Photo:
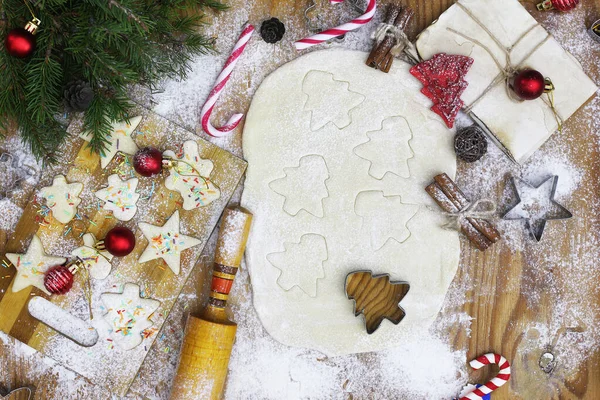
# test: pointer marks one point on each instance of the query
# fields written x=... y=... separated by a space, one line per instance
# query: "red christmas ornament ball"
x=119 y=241
x=148 y=161
x=565 y=5
x=19 y=43
x=529 y=84
x=58 y=280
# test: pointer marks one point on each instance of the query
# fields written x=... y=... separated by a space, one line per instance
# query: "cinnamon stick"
x=381 y=57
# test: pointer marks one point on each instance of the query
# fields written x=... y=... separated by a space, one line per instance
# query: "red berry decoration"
x=148 y=161
x=529 y=84
x=58 y=279
x=443 y=82
x=20 y=42
x=119 y=241
x=560 y=5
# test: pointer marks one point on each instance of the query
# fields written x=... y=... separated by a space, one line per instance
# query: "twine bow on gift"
x=456 y=219
x=388 y=30
x=508 y=70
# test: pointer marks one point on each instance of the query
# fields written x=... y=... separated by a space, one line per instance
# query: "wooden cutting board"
x=105 y=363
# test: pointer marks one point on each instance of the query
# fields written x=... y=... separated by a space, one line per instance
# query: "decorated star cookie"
x=97 y=262
x=128 y=315
x=62 y=198
x=166 y=242
x=120 y=197
x=120 y=140
x=32 y=266
x=190 y=177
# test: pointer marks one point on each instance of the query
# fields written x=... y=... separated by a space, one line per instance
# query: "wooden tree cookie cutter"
x=373 y=300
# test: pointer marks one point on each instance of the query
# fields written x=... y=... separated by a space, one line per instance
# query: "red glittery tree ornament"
x=148 y=161
x=443 y=82
x=560 y=5
x=20 y=42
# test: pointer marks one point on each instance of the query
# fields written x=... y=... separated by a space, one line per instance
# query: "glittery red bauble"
x=565 y=5
x=19 y=43
x=148 y=161
x=119 y=241
x=529 y=84
x=58 y=280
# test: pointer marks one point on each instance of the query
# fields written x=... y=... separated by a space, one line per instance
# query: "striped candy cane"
x=220 y=85
x=340 y=30
x=500 y=379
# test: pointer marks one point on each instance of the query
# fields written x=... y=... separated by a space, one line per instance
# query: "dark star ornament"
x=536 y=205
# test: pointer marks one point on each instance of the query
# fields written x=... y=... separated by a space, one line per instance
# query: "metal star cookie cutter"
x=537 y=230
x=321 y=26
x=594 y=31
x=8 y=162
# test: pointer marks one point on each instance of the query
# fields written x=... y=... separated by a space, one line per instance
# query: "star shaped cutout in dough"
x=190 y=177
x=32 y=266
x=166 y=242
x=98 y=262
x=120 y=140
x=120 y=197
x=128 y=315
x=537 y=205
x=62 y=198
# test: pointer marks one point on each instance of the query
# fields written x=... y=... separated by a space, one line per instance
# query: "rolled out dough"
x=361 y=210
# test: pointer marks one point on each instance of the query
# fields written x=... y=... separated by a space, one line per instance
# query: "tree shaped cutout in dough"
x=304 y=187
x=62 y=198
x=190 y=177
x=128 y=315
x=384 y=217
x=376 y=298
x=301 y=264
x=329 y=100
x=388 y=149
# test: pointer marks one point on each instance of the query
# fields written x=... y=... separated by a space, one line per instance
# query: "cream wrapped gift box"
x=501 y=36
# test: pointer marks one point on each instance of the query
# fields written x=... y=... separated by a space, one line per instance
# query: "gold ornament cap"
x=33 y=25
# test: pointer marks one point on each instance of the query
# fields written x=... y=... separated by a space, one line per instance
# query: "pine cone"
x=78 y=95
x=272 y=30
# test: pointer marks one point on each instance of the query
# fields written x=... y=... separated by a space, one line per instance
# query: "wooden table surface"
x=500 y=301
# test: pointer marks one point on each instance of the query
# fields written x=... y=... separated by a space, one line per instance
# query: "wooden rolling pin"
x=209 y=338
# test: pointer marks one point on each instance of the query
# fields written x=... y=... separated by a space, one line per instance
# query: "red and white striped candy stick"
x=340 y=30
x=220 y=85
x=501 y=378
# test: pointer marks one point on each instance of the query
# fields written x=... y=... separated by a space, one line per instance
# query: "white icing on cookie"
x=190 y=177
x=32 y=266
x=119 y=140
x=166 y=242
x=128 y=315
x=120 y=197
x=62 y=198
x=97 y=262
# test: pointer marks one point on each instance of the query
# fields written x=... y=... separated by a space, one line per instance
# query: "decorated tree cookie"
x=97 y=261
x=120 y=197
x=166 y=242
x=443 y=83
x=62 y=198
x=32 y=266
x=189 y=175
x=128 y=315
x=119 y=140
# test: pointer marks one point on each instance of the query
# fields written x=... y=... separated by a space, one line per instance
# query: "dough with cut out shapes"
x=128 y=315
x=388 y=150
x=32 y=266
x=62 y=198
x=301 y=264
x=329 y=100
x=98 y=262
x=120 y=197
x=362 y=105
x=166 y=242
x=190 y=176
x=304 y=187
x=384 y=218
x=120 y=140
